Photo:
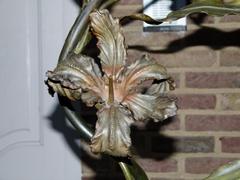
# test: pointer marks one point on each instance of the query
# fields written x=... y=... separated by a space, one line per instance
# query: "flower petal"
x=161 y=88
x=110 y=41
x=90 y=98
x=146 y=106
x=141 y=70
x=164 y=108
x=75 y=74
x=56 y=87
x=141 y=105
x=112 y=135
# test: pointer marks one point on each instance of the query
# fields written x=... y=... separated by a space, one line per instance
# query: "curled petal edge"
x=146 y=107
x=144 y=69
x=112 y=135
x=110 y=41
x=76 y=74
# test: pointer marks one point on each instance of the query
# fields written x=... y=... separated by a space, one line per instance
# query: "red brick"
x=230 y=144
x=230 y=101
x=196 y=101
x=212 y=123
x=172 y=123
x=213 y=80
x=230 y=18
x=151 y=165
x=139 y=38
x=121 y=11
x=163 y=144
x=230 y=57
x=184 y=58
x=204 y=165
x=176 y=41
x=188 y=58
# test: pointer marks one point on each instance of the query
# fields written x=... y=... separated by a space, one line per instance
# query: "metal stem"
x=79 y=123
x=78 y=29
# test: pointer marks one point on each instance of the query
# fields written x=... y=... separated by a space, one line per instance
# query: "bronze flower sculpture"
x=117 y=90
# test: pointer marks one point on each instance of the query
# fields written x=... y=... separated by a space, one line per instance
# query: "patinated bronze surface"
x=116 y=89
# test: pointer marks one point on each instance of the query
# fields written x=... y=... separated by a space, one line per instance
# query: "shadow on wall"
x=97 y=165
x=206 y=36
x=79 y=3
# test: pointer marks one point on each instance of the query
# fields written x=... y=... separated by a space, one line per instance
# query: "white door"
x=33 y=143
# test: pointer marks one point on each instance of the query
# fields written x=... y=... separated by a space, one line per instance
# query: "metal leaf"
x=230 y=171
x=141 y=17
x=211 y=7
x=132 y=171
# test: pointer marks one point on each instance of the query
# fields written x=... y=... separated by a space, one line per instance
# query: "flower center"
x=110 y=91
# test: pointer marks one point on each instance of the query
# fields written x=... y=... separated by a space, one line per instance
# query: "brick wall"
x=206 y=132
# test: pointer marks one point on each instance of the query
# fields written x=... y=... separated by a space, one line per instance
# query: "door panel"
x=19 y=75
x=31 y=36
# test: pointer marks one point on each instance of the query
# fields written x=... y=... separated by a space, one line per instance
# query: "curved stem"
x=108 y=3
x=78 y=29
x=78 y=123
x=126 y=171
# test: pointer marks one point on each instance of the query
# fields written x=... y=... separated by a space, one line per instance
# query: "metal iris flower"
x=117 y=89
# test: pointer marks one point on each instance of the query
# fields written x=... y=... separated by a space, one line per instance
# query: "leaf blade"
x=210 y=7
x=230 y=171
